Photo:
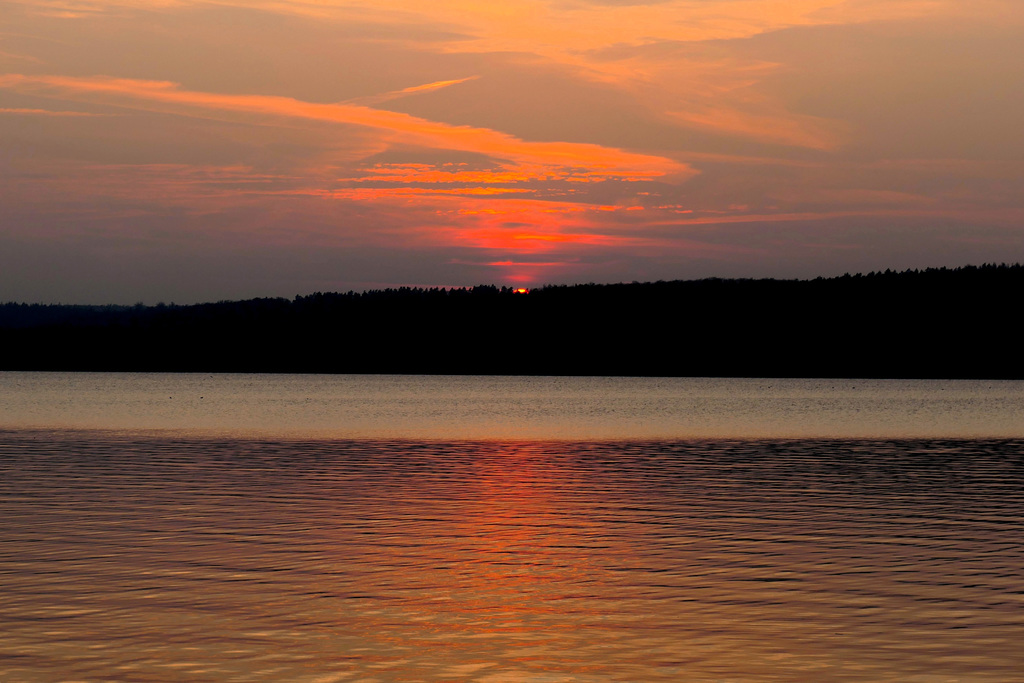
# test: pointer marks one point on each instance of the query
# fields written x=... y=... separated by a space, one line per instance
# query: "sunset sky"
x=170 y=150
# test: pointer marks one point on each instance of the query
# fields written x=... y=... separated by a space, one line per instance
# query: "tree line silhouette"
x=939 y=322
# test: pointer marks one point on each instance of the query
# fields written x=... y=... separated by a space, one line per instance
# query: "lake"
x=362 y=528
x=578 y=408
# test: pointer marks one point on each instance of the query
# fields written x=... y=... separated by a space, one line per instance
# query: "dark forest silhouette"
x=937 y=323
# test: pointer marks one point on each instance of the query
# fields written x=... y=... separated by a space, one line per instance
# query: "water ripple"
x=153 y=559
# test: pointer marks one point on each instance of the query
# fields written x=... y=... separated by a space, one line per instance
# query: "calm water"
x=151 y=541
x=445 y=408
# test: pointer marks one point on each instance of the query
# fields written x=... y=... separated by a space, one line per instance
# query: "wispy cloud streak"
x=47 y=112
x=414 y=90
x=396 y=127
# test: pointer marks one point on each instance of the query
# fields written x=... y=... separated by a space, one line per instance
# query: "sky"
x=181 y=151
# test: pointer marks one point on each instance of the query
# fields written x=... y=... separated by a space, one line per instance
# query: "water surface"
x=440 y=407
x=128 y=558
x=311 y=528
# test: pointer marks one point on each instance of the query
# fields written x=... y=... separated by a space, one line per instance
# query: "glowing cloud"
x=395 y=127
x=532 y=141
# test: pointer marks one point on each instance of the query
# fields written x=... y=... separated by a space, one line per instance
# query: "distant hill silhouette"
x=939 y=322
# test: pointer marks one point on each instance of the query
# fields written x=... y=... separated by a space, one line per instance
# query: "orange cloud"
x=567 y=30
x=19 y=57
x=398 y=180
x=47 y=112
x=416 y=89
x=394 y=127
x=765 y=126
x=407 y=193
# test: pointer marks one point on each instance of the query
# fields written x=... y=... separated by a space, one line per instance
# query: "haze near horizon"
x=171 y=150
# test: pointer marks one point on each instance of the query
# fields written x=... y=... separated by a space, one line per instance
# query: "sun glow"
x=525 y=141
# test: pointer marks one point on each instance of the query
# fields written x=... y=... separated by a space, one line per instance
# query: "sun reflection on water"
x=158 y=559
